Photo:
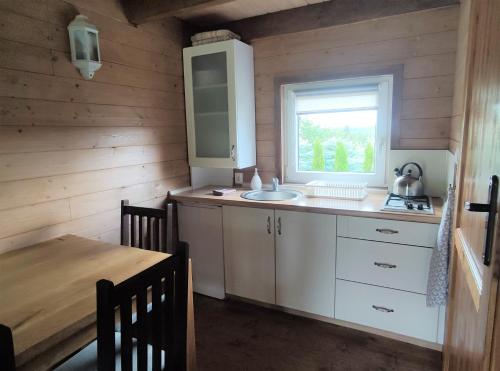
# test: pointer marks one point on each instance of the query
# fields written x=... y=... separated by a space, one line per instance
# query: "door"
x=305 y=261
x=474 y=280
x=210 y=105
x=201 y=227
x=249 y=253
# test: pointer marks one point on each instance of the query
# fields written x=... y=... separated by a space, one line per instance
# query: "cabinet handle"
x=386 y=231
x=382 y=309
x=385 y=265
x=279 y=226
x=233 y=153
x=269 y=225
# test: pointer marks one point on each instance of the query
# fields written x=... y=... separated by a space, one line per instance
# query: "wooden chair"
x=157 y=338
x=7 y=360
x=147 y=228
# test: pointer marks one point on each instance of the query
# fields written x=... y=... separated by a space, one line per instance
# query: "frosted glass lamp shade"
x=84 y=42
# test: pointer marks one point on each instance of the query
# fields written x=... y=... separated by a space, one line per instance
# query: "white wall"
x=437 y=166
x=201 y=177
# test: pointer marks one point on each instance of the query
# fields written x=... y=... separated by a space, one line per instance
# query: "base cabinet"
x=249 y=253
x=305 y=261
x=348 y=268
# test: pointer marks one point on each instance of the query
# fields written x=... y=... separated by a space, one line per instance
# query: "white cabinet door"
x=249 y=253
x=305 y=261
x=201 y=227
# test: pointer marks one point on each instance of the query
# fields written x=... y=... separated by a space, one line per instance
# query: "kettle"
x=406 y=184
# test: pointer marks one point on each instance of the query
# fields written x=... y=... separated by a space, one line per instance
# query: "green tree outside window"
x=368 y=161
x=318 y=161
x=341 y=163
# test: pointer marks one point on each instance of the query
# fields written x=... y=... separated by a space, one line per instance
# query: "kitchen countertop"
x=369 y=207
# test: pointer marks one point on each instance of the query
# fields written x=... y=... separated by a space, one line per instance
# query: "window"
x=337 y=130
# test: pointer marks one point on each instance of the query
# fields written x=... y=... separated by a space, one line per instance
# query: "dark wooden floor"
x=237 y=336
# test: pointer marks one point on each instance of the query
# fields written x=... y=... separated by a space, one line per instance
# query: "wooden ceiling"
x=260 y=18
x=205 y=13
x=238 y=9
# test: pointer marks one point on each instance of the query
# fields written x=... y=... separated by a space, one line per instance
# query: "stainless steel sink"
x=268 y=195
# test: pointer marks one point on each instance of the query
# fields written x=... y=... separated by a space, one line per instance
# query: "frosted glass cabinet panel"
x=220 y=108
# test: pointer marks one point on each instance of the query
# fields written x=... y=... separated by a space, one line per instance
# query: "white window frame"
x=384 y=117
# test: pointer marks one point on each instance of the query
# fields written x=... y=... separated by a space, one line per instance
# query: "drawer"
x=400 y=267
x=386 y=309
x=384 y=230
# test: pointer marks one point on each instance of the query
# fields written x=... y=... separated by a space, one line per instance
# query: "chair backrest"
x=148 y=228
x=164 y=327
x=7 y=360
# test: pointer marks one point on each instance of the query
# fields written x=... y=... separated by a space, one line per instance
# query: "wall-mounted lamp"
x=84 y=42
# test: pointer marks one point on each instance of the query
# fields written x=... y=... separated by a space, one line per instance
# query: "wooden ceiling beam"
x=141 y=11
x=325 y=14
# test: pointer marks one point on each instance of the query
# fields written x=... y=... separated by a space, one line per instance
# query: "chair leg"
x=181 y=305
x=7 y=358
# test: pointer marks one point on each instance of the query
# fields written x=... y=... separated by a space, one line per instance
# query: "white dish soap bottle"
x=256 y=183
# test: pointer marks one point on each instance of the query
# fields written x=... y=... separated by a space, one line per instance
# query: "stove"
x=408 y=204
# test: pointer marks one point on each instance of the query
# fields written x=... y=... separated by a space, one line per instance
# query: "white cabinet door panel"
x=305 y=261
x=386 y=309
x=395 y=266
x=249 y=253
x=201 y=227
x=384 y=230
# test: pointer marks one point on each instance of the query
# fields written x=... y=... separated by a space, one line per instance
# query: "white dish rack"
x=341 y=190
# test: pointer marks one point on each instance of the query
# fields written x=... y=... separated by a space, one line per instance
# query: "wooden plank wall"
x=423 y=42
x=70 y=149
x=457 y=119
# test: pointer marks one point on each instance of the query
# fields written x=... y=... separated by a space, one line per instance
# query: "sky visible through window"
x=338 y=142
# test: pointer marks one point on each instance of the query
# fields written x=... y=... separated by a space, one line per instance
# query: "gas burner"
x=409 y=204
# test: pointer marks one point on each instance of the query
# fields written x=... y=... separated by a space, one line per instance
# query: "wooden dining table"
x=48 y=295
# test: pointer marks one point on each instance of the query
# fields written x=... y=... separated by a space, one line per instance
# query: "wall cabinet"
x=249 y=253
x=305 y=261
x=220 y=104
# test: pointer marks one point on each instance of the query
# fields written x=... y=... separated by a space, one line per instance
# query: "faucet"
x=275 y=184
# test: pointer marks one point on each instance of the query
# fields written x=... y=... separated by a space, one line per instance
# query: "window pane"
x=338 y=142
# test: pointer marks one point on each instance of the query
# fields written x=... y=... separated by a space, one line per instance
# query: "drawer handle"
x=385 y=265
x=386 y=231
x=382 y=309
x=279 y=226
x=269 y=225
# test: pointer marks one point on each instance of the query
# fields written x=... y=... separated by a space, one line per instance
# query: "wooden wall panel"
x=424 y=43
x=70 y=149
x=460 y=77
x=35 y=112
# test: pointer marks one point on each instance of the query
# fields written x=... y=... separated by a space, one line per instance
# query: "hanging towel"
x=437 y=284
